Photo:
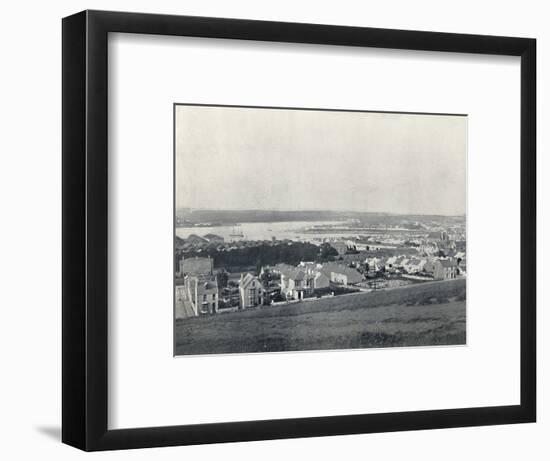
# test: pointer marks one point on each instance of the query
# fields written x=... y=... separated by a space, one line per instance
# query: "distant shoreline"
x=218 y=218
x=305 y=211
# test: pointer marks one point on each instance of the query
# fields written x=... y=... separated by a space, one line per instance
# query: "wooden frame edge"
x=84 y=317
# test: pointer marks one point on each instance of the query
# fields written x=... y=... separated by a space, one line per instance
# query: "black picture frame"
x=85 y=223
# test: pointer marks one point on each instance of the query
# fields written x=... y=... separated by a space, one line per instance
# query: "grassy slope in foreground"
x=417 y=315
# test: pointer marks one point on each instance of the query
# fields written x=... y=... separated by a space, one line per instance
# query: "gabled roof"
x=308 y=266
x=294 y=274
x=195 y=238
x=247 y=280
x=203 y=284
x=352 y=274
x=282 y=267
x=328 y=268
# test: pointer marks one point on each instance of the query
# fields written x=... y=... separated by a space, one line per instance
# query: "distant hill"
x=189 y=217
x=219 y=217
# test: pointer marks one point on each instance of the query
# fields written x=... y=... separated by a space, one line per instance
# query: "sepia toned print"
x=308 y=229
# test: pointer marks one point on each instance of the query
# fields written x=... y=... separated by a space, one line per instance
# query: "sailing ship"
x=236 y=234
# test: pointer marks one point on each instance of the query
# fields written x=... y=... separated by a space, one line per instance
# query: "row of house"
x=439 y=268
x=429 y=244
x=194 y=239
x=302 y=281
x=197 y=292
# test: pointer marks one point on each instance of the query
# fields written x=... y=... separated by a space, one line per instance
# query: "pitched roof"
x=247 y=279
x=196 y=266
x=204 y=283
x=294 y=274
x=328 y=268
x=282 y=267
x=308 y=266
x=352 y=274
x=195 y=238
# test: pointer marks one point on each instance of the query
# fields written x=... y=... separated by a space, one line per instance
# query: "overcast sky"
x=239 y=158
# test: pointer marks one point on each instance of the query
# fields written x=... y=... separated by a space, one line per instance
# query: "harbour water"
x=292 y=230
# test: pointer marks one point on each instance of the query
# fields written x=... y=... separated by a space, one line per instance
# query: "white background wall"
x=30 y=194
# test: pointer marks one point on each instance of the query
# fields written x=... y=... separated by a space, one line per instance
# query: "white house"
x=251 y=291
x=297 y=283
x=201 y=294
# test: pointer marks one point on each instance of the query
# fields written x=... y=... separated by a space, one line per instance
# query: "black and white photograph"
x=275 y=230
x=299 y=229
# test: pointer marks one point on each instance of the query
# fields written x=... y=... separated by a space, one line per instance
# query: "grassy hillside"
x=416 y=315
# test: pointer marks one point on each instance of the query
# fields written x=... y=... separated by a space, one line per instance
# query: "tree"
x=265 y=278
x=258 y=265
x=222 y=278
x=222 y=304
x=327 y=252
